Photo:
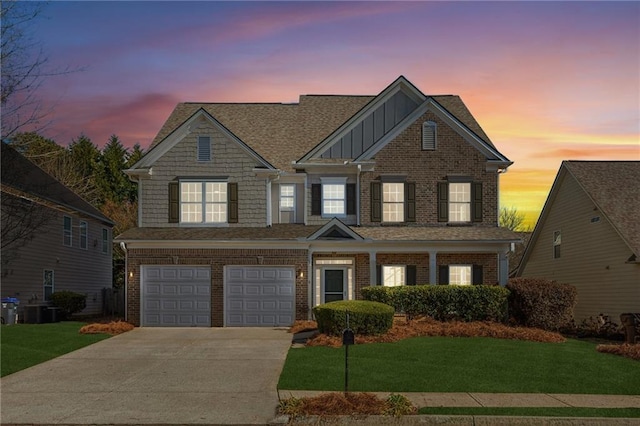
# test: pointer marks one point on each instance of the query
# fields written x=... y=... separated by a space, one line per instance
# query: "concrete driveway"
x=154 y=376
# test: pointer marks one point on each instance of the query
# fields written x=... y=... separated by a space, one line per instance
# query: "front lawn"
x=25 y=345
x=532 y=411
x=463 y=364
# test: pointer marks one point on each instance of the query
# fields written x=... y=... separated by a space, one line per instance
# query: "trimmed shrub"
x=464 y=303
x=69 y=302
x=541 y=303
x=365 y=317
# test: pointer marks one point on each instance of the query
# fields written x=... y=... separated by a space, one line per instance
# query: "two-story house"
x=252 y=214
x=52 y=240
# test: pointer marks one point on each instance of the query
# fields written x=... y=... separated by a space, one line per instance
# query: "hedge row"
x=541 y=303
x=365 y=317
x=465 y=303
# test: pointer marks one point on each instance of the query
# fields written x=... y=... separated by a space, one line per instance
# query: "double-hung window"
x=84 y=234
x=460 y=274
x=557 y=241
x=393 y=276
x=460 y=202
x=47 y=284
x=287 y=203
x=334 y=197
x=393 y=202
x=203 y=202
x=105 y=241
x=67 y=233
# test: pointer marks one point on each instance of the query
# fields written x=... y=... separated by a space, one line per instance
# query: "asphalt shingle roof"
x=282 y=133
x=614 y=186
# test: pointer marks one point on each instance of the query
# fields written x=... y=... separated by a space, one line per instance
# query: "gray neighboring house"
x=252 y=214
x=52 y=239
x=588 y=235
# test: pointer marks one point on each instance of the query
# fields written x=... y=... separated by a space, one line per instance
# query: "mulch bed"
x=113 y=328
x=403 y=329
x=351 y=404
x=626 y=350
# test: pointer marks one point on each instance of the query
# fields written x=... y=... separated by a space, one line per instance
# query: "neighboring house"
x=588 y=235
x=52 y=240
x=515 y=256
x=252 y=214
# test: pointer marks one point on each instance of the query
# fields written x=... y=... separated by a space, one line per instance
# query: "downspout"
x=358 y=195
x=123 y=246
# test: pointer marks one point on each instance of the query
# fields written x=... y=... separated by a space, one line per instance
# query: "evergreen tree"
x=111 y=181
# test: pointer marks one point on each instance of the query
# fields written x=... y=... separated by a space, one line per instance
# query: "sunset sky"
x=547 y=81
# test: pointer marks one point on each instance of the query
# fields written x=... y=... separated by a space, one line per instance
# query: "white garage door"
x=259 y=296
x=175 y=296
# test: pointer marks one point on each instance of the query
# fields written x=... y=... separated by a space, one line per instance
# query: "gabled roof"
x=282 y=133
x=612 y=186
x=335 y=229
x=23 y=176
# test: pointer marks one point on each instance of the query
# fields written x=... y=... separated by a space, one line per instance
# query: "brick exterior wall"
x=421 y=260
x=217 y=258
x=453 y=156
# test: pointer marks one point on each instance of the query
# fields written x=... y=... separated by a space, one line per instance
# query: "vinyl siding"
x=75 y=269
x=228 y=159
x=592 y=256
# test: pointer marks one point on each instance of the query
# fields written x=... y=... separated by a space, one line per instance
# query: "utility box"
x=10 y=310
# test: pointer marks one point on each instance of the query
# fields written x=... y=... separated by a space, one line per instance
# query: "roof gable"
x=612 y=186
x=335 y=230
x=162 y=147
x=22 y=175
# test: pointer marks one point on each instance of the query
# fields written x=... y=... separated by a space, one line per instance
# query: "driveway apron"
x=154 y=376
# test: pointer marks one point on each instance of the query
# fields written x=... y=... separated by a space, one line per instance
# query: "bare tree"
x=512 y=219
x=24 y=67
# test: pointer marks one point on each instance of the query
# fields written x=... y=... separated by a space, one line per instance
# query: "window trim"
x=434 y=126
x=45 y=285
x=203 y=202
x=470 y=269
x=199 y=141
x=402 y=203
x=557 y=244
x=83 y=239
x=67 y=232
x=338 y=182
x=404 y=275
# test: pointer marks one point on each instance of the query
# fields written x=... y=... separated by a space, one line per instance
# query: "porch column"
x=503 y=268
x=433 y=267
x=372 y=268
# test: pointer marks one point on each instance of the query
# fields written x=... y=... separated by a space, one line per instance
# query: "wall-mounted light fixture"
x=301 y=274
x=130 y=274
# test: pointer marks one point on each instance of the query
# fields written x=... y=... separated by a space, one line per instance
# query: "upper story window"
x=460 y=274
x=557 y=240
x=393 y=202
x=67 y=233
x=393 y=276
x=204 y=148
x=105 y=241
x=460 y=202
x=334 y=197
x=287 y=197
x=203 y=202
x=84 y=234
x=429 y=134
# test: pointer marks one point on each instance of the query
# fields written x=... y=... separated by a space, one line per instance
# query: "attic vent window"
x=429 y=136
x=204 y=148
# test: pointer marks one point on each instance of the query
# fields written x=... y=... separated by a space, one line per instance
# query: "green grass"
x=533 y=411
x=450 y=364
x=25 y=345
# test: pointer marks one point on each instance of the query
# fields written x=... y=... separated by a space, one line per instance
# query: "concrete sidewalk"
x=472 y=399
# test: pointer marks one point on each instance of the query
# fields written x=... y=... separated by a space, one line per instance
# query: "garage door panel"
x=259 y=296
x=175 y=296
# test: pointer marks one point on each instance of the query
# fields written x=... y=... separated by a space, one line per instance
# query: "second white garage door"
x=257 y=296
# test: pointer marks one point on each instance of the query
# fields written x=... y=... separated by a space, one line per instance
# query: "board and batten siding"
x=228 y=159
x=592 y=256
x=85 y=271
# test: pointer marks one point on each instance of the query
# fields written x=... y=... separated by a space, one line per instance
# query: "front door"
x=334 y=284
